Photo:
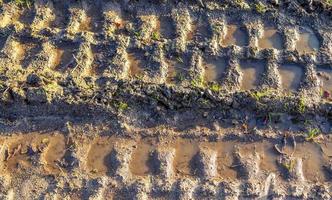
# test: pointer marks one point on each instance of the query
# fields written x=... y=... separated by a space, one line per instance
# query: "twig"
x=5 y=90
x=284 y=142
x=78 y=64
x=63 y=172
x=278 y=150
x=181 y=68
x=294 y=145
x=234 y=166
x=321 y=149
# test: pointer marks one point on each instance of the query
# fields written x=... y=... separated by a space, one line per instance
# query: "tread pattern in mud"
x=178 y=45
x=185 y=168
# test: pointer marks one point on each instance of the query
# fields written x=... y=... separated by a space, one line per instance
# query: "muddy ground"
x=166 y=99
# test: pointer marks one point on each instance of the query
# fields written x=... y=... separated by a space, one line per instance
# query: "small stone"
x=34 y=148
x=33 y=80
x=36 y=96
x=326 y=94
x=234 y=122
x=275 y=2
x=235 y=104
x=216 y=126
x=205 y=114
x=24 y=150
x=45 y=140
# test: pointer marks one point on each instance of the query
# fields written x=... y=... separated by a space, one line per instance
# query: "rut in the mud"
x=146 y=41
x=233 y=160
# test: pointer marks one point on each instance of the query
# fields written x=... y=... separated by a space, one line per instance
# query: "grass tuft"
x=180 y=77
x=301 y=107
x=179 y=59
x=258 y=95
x=24 y=3
x=215 y=87
x=198 y=82
x=155 y=36
x=242 y=4
x=312 y=134
x=289 y=165
x=260 y=7
x=121 y=106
